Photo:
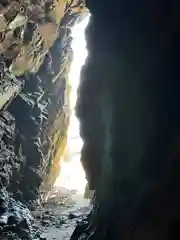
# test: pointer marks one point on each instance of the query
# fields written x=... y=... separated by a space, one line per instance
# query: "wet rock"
x=75 y=215
x=9 y=228
x=13 y=219
x=62 y=221
x=16 y=222
x=36 y=228
x=24 y=224
x=37 y=214
x=3 y=220
x=45 y=217
x=58 y=225
x=46 y=223
x=42 y=238
x=47 y=212
x=66 y=225
x=2 y=208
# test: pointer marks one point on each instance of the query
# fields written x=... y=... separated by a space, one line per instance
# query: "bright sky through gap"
x=71 y=174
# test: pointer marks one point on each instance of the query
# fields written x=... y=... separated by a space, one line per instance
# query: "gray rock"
x=75 y=215
x=57 y=225
x=13 y=219
x=46 y=222
x=3 y=220
x=42 y=238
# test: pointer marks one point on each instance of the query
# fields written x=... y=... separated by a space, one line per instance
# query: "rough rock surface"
x=54 y=219
x=35 y=57
x=16 y=221
x=130 y=126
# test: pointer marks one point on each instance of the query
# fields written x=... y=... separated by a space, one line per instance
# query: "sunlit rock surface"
x=36 y=54
x=35 y=59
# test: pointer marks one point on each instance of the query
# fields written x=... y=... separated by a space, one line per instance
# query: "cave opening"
x=71 y=174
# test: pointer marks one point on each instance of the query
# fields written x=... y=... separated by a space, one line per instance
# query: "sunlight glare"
x=71 y=174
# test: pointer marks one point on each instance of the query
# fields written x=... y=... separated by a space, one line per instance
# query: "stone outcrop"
x=16 y=221
x=128 y=108
x=35 y=56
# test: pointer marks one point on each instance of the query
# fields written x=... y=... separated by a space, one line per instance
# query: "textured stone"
x=34 y=67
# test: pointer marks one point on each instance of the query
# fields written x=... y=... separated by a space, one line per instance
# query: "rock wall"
x=35 y=55
x=128 y=109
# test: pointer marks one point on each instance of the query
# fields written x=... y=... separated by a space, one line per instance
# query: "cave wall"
x=128 y=108
x=36 y=55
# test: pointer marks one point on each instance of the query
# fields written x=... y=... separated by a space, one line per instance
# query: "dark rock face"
x=16 y=221
x=128 y=108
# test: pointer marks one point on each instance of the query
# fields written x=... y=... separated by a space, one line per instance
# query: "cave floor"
x=57 y=217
